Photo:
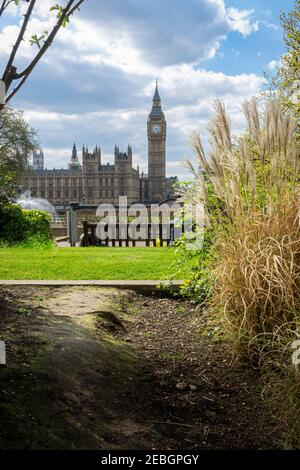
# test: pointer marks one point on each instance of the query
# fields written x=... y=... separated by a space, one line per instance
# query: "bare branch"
x=2 y=8
x=17 y=87
x=4 y=5
x=75 y=7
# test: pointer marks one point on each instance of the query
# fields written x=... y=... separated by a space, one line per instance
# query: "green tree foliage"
x=289 y=70
x=17 y=142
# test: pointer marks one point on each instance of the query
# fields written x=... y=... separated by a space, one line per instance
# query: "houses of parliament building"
x=92 y=182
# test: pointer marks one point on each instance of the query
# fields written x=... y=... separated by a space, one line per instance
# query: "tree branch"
x=17 y=87
x=2 y=8
x=67 y=11
x=75 y=7
x=18 y=42
x=10 y=73
x=4 y=5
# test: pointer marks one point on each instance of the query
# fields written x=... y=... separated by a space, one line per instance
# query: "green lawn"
x=85 y=263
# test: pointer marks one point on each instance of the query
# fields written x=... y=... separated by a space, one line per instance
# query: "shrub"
x=37 y=241
x=18 y=225
x=12 y=223
x=37 y=223
x=195 y=267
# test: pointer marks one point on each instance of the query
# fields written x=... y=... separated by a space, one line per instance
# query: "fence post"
x=106 y=239
x=85 y=240
x=148 y=234
x=160 y=234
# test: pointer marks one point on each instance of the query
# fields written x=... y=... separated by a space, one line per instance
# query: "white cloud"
x=270 y=25
x=273 y=65
x=242 y=21
x=56 y=157
x=268 y=20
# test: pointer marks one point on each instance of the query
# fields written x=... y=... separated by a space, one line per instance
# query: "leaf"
x=60 y=12
x=38 y=40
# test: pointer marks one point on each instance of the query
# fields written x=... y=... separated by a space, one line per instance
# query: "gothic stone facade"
x=92 y=182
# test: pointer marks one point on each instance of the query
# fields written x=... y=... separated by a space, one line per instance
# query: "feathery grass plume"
x=261 y=166
x=197 y=147
x=220 y=127
x=253 y=120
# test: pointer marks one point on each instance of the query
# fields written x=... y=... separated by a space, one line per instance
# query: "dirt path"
x=92 y=368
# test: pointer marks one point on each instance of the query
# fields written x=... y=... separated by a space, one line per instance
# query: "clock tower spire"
x=157 y=132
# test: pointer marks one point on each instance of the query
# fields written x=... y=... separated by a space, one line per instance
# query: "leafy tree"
x=288 y=78
x=11 y=75
x=17 y=142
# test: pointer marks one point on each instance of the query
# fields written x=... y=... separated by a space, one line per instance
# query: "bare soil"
x=95 y=368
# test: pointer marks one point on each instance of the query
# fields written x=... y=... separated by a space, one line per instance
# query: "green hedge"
x=18 y=225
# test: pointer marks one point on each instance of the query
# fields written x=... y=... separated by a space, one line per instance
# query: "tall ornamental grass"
x=250 y=189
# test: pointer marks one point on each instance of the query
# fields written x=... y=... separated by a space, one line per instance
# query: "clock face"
x=156 y=129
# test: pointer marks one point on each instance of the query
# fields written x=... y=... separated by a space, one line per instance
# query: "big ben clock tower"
x=157 y=132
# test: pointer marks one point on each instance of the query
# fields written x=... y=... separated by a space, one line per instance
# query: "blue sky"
x=95 y=86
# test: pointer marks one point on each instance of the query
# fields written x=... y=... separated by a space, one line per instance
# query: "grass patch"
x=85 y=263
